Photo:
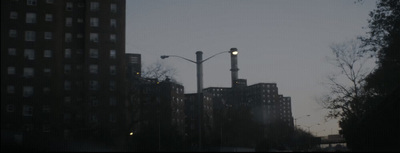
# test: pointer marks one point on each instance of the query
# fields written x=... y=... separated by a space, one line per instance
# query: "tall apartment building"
x=62 y=69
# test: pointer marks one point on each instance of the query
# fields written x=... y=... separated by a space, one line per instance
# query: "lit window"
x=113 y=70
x=113 y=8
x=29 y=54
x=94 y=6
x=10 y=108
x=94 y=37
x=113 y=54
x=94 y=53
x=30 y=17
x=113 y=23
x=68 y=53
x=67 y=69
x=27 y=91
x=10 y=89
x=113 y=37
x=69 y=6
x=12 y=51
x=30 y=35
x=47 y=53
x=29 y=72
x=48 y=17
x=48 y=35
x=13 y=15
x=94 y=22
x=12 y=33
x=68 y=22
x=67 y=85
x=68 y=37
x=31 y=2
x=93 y=68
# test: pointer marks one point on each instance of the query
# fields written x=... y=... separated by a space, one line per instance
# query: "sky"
x=279 y=41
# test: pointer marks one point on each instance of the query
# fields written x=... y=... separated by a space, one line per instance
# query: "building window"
x=94 y=37
x=67 y=100
x=81 y=4
x=31 y=2
x=93 y=118
x=112 y=85
x=94 y=53
x=13 y=15
x=113 y=23
x=69 y=6
x=79 y=35
x=79 y=20
x=30 y=17
x=67 y=69
x=29 y=72
x=47 y=72
x=134 y=60
x=68 y=37
x=27 y=91
x=11 y=70
x=93 y=85
x=113 y=70
x=30 y=35
x=10 y=89
x=113 y=8
x=48 y=17
x=68 y=22
x=67 y=85
x=113 y=54
x=46 y=90
x=112 y=118
x=10 y=108
x=50 y=1
x=29 y=54
x=47 y=53
x=12 y=33
x=12 y=51
x=27 y=110
x=94 y=6
x=46 y=128
x=113 y=101
x=93 y=68
x=113 y=37
x=68 y=53
x=46 y=109
x=48 y=35
x=94 y=22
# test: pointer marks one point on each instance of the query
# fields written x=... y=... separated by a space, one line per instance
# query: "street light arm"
x=165 y=56
x=213 y=56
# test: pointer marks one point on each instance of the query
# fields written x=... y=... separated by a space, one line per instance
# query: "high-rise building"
x=62 y=69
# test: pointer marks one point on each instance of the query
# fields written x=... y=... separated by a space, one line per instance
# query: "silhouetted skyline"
x=283 y=42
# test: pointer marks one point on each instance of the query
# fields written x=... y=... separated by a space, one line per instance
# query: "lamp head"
x=164 y=56
x=234 y=51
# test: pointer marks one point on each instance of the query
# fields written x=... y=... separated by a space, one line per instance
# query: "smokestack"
x=234 y=65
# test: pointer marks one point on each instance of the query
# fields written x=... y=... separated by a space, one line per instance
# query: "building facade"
x=62 y=66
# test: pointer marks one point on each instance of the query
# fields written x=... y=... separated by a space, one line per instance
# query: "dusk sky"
x=279 y=41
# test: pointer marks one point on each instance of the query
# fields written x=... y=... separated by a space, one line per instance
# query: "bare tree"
x=159 y=71
x=347 y=95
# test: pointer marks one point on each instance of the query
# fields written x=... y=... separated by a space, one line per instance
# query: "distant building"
x=62 y=70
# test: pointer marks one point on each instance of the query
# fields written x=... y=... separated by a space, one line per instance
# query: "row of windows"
x=30 y=53
x=29 y=72
x=27 y=110
x=94 y=6
x=31 y=36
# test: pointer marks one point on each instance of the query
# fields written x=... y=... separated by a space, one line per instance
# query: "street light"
x=199 y=63
x=310 y=127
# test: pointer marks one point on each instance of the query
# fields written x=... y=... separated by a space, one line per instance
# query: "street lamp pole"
x=199 y=65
